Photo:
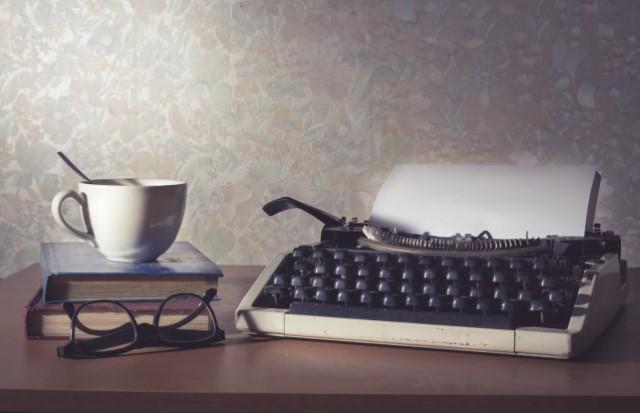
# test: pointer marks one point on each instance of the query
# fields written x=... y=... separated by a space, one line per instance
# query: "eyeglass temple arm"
x=124 y=336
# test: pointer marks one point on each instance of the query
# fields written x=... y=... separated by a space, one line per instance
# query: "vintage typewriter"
x=388 y=281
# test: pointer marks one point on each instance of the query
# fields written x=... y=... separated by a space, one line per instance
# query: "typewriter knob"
x=301 y=294
x=414 y=301
x=298 y=253
x=363 y=272
x=429 y=289
x=344 y=297
x=382 y=258
x=516 y=264
x=318 y=282
x=385 y=273
x=477 y=292
x=453 y=290
x=297 y=281
x=501 y=293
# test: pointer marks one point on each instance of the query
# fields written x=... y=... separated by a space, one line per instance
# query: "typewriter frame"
x=591 y=315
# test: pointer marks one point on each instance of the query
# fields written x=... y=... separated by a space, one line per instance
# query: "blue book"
x=75 y=271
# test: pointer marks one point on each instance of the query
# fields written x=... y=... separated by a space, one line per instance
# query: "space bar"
x=501 y=321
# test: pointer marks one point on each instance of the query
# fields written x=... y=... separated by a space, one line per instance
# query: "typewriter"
x=388 y=280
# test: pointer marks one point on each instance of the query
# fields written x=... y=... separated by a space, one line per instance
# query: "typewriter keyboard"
x=491 y=292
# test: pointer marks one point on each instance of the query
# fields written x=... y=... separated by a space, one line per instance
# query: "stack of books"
x=77 y=272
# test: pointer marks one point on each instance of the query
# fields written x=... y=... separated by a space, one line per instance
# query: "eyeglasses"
x=104 y=328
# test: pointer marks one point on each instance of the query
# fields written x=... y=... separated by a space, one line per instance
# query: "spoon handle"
x=72 y=166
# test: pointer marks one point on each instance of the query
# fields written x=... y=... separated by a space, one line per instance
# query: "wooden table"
x=247 y=374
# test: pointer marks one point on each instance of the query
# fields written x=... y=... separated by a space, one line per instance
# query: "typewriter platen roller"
x=534 y=296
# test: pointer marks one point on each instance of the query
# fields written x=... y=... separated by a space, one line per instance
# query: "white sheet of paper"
x=508 y=201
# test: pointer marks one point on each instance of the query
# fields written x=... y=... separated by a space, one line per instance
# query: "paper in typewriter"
x=508 y=201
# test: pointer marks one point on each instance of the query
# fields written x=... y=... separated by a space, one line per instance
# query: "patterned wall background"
x=317 y=99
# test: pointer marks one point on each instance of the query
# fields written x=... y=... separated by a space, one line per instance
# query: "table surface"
x=302 y=375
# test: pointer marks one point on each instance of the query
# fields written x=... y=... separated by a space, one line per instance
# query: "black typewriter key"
x=298 y=253
x=501 y=293
x=540 y=263
x=360 y=258
x=448 y=261
x=319 y=282
x=342 y=284
x=557 y=297
x=281 y=279
x=461 y=303
x=470 y=262
x=453 y=290
x=476 y=276
x=324 y=296
x=414 y=301
x=275 y=291
x=300 y=266
x=494 y=263
x=484 y=304
x=320 y=269
x=407 y=287
x=345 y=297
x=430 y=274
x=452 y=275
x=318 y=254
x=516 y=264
x=499 y=277
x=408 y=274
x=302 y=293
x=403 y=259
x=439 y=302
x=477 y=292
x=339 y=255
x=431 y=289
x=540 y=305
x=362 y=284
x=385 y=273
x=551 y=282
x=526 y=295
x=342 y=270
x=369 y=298
x=391 y=300
x=363 y=272
x=425 y=261
x=382 y=258
x=524 y=278
x=298 y=281
x=385 y=286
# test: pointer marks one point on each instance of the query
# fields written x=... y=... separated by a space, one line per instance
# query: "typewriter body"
x=387 y=281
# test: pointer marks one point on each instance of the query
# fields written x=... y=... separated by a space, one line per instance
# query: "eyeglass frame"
x=144 y=334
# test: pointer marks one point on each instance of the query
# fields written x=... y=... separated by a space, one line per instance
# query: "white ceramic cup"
x=127 y=219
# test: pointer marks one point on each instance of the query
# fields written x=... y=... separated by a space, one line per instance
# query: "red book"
x=49 y=321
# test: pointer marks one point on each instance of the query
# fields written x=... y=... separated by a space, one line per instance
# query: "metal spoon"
x=73 y=167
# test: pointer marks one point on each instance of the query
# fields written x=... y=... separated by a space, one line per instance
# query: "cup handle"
x=56 y=210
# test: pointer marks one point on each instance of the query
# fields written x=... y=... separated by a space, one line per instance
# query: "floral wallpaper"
x=316 y=99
